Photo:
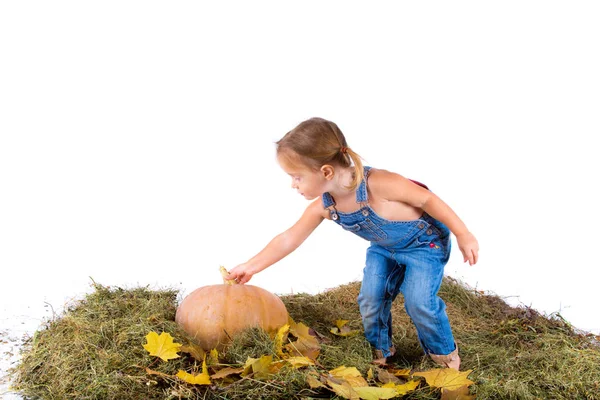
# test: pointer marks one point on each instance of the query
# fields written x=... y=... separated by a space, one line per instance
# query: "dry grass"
x=94 y=350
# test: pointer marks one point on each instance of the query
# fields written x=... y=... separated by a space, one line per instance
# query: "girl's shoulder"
x=379 y=176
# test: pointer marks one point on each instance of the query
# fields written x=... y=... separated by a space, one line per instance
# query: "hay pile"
x=95 y=350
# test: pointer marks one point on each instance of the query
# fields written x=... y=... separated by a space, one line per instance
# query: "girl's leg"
x=380 y=283
x=427 y=310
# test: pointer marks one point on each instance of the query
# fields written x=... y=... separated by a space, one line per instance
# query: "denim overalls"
x=404 y=256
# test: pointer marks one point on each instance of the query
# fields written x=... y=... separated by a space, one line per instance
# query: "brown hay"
x=94 y=350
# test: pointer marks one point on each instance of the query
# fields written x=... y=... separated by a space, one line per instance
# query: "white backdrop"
x=136 y=140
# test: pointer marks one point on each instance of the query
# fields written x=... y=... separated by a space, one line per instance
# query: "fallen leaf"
x=404 y=373
x=403 y=388
x=462 y=393
x=341 y=329
x=343 y=371
x=375 y=393
x=225 y=372
x=343 y=389
x=446 y=378
x=152 y=372
x=213 y=357
x=200 y=379
x=258 y=367
x=299 y=362
x=305 y=348
x=350 y=375
x=162 y=346
x=194 y=350
x=314 y=382
x=386 y=377
x=279 y=338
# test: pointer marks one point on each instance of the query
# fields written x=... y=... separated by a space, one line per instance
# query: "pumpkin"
x=213 y=315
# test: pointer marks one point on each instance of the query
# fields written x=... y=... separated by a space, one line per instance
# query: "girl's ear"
x=327 y=171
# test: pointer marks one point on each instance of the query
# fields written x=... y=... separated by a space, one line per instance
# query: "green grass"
x=94 y=349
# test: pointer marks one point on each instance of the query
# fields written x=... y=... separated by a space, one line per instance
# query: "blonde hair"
x=317 y=142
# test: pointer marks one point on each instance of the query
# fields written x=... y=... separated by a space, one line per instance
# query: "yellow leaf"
x=446 y=378
x=314 y=382
x=161 y=346
x=343 y=389
x=226 y=372
x=201 y=379
x=370 y=374
x=403 y=388
x=350 y=375
x=343 y=371
x=340 y=323
x=302 y=331
x=305 y=348
x=405 y=373
x=259 y=367
x=279 y=338
x=299 y=362
x=375 y=393
x=341 y=329
x=213 y=357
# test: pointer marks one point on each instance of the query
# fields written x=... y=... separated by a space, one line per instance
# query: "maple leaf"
x=260 y=368
x=343 y=389
x=350 y=375
x=446 y=378
x=279 y=338
x=375 y=393
x=307 y=345
x=162 y=346
x=200 y=379
x=403 y=388
x=341 y=329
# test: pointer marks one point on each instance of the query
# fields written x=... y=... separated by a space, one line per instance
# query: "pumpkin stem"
x=224 y=274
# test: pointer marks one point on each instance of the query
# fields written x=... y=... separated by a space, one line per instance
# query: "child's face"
x=308 y=182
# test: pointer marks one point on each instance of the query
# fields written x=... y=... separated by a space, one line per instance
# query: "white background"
x=137 y=140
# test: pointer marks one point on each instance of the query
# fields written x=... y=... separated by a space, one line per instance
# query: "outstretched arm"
x=282 y=244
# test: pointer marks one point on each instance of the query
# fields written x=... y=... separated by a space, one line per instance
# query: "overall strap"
x=361 y=192
x=327 y=200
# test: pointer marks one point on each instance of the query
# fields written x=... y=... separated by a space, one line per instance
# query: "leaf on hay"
x=162 y=345
x=446 y=378
x=200 y=379
x=341 y=329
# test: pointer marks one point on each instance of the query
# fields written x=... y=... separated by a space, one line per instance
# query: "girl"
x=408 y=227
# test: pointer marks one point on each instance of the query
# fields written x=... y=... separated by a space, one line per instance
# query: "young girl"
x=408 y=227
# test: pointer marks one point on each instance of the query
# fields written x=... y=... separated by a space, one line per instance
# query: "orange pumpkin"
x=214 y=314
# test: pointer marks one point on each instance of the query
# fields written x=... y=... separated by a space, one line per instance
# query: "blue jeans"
x=405 y=257
x=388 y=273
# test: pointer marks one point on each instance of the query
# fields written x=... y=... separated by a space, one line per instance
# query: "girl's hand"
x=241 y=274
x=469 y=247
